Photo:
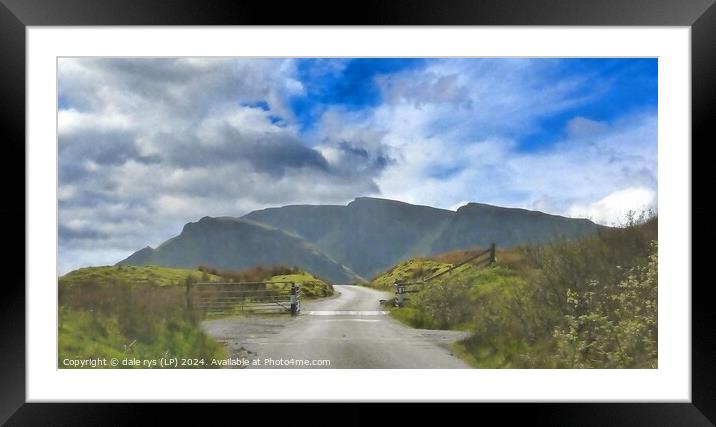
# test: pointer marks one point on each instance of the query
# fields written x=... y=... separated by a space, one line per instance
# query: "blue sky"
x=621 y=86
x=348 y=83
x=147 y=145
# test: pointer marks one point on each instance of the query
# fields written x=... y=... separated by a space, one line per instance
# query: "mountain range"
x=345 y=244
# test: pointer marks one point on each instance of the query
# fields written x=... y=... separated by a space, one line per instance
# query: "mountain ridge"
x=359 y=239
x=236 y=243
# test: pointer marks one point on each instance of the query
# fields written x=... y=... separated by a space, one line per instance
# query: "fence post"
x=187 y=301
x=294 y=299
x=400 y=294
x=493 y=257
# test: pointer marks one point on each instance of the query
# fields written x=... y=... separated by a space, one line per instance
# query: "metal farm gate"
x=217 y=298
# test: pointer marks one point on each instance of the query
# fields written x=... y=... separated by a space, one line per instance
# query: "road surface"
x=349 y=330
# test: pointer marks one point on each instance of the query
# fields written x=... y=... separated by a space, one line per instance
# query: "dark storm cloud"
x=146 y=145
x=355 y=151
x=103 y=148
x=363 y=160
x=67 y=234
x=271 y=153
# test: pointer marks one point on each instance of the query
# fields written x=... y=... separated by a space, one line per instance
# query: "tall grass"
x=122 y=319
x=143 y=312
x=580 y=303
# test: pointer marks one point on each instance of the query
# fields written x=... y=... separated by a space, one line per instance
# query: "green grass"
x=102 y=310
x=87 y=334
x=413 y=317
x=136 y=275
x=411 y=270
x=580 y=303
x=311 y=287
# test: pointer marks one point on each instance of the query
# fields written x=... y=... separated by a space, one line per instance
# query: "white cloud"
x=581 y=127
x=445 y=153
x=72 y=121
x=148 y=145
x=613 y=209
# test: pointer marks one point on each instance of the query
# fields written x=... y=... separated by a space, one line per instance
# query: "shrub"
x=121 y=318
x=254 y=274
x=589 y=302
x=612 y=327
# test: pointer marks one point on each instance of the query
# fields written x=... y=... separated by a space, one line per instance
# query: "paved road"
x=350 y=330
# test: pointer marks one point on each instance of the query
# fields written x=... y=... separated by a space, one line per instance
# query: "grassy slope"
x=571 y=303
x=86 y=334
x=311 y=287
x=417 y=269
x=485 y=283
x=464 y=289
x=104 y=309
x=144 y=275
x=411 y=270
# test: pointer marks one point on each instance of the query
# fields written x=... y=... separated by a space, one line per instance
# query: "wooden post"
x=187 y=300
x=493 y=255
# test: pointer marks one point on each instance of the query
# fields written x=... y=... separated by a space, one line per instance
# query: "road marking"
x=346 y=313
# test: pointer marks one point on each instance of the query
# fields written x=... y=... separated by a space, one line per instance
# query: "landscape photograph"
x=357 y=213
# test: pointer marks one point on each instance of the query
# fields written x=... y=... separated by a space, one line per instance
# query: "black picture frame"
x=16 y=15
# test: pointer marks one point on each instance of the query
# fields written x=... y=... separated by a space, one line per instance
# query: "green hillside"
x=585 y=303
x=138 y=312
x=127 y=311
x=87 y=334
x=311 y=287
x=370 y=235
x=134 y=275
x=346 y=244
x=409 y=271
x=236 y=244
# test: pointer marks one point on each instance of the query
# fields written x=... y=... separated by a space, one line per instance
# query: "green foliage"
x=370 y=235
x=414 y=317
x=612 y=327
x=254 y=274
x=128 y=311
x=235 y=243
x=134 y=275
x=604 y=257
x=580 y=303
x=311 y=287
x=146 y=323
x=408 y=271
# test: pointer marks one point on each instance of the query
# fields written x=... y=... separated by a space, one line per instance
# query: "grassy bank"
x=130 y=312
x=588 y=303
x=139 y=312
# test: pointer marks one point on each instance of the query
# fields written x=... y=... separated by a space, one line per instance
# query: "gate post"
x=400 y=294
x=187 y=300
x=493 y=257
x=294 y=299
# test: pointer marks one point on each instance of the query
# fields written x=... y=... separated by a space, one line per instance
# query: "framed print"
x=410 y=203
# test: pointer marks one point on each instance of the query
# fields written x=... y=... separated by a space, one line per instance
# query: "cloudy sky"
x=147 y=145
